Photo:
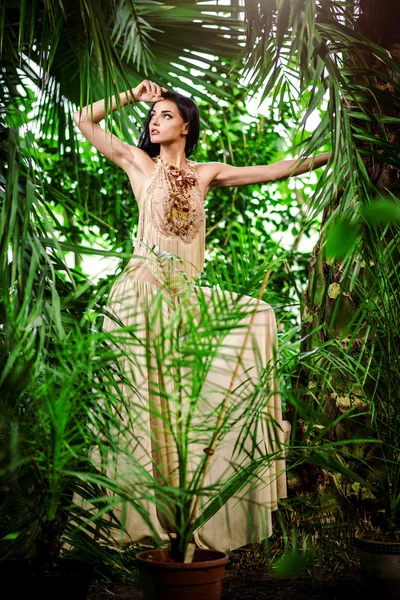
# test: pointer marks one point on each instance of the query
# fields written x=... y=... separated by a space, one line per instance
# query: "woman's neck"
x=174 y=157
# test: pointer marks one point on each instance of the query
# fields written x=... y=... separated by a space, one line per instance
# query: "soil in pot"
x=163 y=579
x=26 y=579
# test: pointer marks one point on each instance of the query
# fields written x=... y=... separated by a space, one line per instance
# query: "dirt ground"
x=253 y=586
x=249 y=575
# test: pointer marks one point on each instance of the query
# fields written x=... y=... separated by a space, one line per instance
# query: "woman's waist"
x=164 y=265
x=189 y=257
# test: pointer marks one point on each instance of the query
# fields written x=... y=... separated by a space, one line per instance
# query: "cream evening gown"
x=133 y=300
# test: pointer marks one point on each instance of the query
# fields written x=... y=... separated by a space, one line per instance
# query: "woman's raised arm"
x=223 y=175
x=110 y=145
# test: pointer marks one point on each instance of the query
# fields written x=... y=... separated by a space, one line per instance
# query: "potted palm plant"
x=181 y=479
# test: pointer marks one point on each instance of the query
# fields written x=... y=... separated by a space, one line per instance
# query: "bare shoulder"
x=207 y=171
x=139 y=160
x=139 y=168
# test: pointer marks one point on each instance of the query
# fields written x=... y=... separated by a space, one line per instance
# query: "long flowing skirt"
x=184 y=357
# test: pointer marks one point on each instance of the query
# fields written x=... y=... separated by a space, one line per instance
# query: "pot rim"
x=221 y=558
x=363 y=538
x=379 y=546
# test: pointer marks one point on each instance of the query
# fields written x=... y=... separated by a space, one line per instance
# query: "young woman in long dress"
x=170 y=191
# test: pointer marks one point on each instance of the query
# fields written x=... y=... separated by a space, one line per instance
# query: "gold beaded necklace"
x=179 y=212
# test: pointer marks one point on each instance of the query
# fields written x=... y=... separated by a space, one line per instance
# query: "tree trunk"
x=379 y=22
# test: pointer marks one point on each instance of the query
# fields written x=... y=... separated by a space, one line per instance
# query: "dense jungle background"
x=273 y=80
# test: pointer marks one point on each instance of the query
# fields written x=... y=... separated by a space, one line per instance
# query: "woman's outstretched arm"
x=223 y=175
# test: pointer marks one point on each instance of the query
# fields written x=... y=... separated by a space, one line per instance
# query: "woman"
x=170 y=190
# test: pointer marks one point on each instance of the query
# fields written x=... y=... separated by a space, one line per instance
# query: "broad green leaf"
x=382 y=211
x=340 y=239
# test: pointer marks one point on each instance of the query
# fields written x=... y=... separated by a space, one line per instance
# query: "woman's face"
x=166 y=124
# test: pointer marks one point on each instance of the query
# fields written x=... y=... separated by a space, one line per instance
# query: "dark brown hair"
x=190 y=114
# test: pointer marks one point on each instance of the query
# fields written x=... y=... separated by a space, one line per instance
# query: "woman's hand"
x=108 y=144
x=148 y=91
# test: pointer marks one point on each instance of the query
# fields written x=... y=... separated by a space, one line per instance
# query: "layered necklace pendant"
x=179 y=211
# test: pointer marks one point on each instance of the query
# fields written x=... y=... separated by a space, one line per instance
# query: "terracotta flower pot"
x=163 y=579
x=380 y=565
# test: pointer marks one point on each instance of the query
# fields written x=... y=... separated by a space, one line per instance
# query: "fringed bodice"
x=168 y=230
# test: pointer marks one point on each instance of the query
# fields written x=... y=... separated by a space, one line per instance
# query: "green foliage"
x=340 y=239
x=245 y=223
x=382 y=212
x=57 y=197
x=294 y=560
x=56 y=374
x=50 y=194
x=52 y=452
x=339 y=54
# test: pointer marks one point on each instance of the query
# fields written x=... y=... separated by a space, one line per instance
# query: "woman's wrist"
x=128 y=97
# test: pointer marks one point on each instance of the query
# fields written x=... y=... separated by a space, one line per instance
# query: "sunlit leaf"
x=340 y=239
x=382 y=211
